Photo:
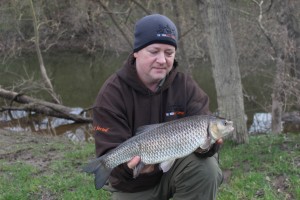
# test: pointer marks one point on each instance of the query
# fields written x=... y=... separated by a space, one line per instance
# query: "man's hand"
x=135 y=161
x=220 y=141
x=214 y=149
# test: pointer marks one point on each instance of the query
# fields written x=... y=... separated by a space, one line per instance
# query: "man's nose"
x=161 y=58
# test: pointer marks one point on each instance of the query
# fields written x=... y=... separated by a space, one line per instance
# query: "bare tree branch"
x=264 y=31
x=116 y=23
x=40 y=57
x=142 y=7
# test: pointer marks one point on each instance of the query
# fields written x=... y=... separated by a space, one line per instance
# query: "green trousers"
x=190 y=178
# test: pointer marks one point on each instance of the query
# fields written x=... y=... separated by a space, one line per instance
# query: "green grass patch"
x=49 y=169
x=267 y=168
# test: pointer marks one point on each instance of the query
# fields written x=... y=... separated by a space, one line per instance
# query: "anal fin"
x=137 y=169
x=166 y=165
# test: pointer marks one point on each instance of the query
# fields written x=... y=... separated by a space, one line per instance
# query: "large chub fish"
x=161 y=143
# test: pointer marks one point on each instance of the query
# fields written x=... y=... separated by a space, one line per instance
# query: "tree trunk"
x=225 y=66
x=277 y=95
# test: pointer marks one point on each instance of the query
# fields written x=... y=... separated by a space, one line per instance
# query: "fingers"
x=219 y=141
x=147 y=169
x=133 y=162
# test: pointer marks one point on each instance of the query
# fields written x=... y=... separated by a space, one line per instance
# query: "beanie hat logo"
x=166 y=31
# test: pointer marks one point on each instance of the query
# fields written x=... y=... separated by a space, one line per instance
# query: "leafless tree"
x=280 y=35
x=44 y=74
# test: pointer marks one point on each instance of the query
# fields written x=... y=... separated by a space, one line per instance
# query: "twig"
x=116 y=23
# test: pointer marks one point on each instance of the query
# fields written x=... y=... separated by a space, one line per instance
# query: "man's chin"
x=160 y=77
x=159 y=74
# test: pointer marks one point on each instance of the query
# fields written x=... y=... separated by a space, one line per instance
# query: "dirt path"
x=37 y=150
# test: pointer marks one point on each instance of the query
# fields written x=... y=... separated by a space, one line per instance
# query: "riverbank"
x=49 y=167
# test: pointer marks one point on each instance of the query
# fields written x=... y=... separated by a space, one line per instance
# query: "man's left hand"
x=213 y=150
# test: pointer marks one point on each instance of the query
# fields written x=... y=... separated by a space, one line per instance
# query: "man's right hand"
x=135 y=161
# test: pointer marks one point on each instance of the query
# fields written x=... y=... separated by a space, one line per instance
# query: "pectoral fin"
x=137 y=169
x=165 y=166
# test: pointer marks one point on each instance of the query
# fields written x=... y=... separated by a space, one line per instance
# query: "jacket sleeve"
x=110 y=130
x=109 y=119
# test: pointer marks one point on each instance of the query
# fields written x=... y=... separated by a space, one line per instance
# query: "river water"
x=77 y=78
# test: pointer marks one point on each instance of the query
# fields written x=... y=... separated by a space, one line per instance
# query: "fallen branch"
x=40 y=106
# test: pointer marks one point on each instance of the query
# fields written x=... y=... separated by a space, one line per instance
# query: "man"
x=148 y=89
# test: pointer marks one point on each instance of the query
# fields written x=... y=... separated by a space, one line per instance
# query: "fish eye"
x=225 y=123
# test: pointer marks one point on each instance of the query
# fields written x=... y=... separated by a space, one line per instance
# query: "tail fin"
x=101 y=172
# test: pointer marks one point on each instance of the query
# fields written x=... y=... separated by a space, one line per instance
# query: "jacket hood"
x=129 y=75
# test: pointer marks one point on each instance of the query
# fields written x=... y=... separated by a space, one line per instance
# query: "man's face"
x=154 y=62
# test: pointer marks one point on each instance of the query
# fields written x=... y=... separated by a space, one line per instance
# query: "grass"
x=267 y=168
x=43 y=167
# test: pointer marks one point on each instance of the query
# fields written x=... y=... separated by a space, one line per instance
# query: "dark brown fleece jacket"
x=124 y=104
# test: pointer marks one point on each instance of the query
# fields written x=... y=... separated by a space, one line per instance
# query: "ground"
x=267 y=168
x=44 y=167
x=20 y=146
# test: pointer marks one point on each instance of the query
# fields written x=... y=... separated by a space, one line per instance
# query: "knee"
x=206 y=170
x=211 y=171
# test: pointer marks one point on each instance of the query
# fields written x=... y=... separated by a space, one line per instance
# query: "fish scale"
x=185 y=141
x=123 y=153
x=162 y=143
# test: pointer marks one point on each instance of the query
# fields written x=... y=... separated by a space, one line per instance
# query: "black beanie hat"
x=154 y=29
